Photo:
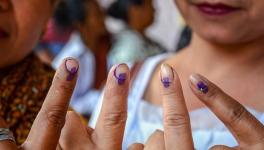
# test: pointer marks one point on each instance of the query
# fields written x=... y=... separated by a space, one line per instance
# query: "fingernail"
x=72 y=67
x=167 y=75
x=120 y=74
x=199 y=83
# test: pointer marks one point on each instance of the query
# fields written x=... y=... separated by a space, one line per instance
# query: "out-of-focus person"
x=89 y=43
x=131 y=44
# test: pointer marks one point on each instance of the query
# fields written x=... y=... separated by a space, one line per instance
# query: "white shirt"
x=84 y=98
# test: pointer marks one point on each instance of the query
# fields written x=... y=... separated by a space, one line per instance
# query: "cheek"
x=29 y=19
x=256 y=21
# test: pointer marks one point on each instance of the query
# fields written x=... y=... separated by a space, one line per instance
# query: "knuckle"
x=176 y=120
x=66 y=87
x=170 y=93
x=57 y=78
x=55 y=117
x=60 y=84
x=115 y=118
x=236 y=114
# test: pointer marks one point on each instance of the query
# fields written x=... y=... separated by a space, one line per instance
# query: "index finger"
x=244 y=126
x=110 y=127
x=47 y=126
x=177 y=126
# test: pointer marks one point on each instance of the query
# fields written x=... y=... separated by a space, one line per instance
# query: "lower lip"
x=217 y=10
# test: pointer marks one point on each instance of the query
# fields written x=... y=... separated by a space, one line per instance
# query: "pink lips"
x=216 y=9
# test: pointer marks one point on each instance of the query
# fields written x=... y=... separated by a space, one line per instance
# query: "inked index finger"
x=47 y=126
x=177 y=126
x=110 y=127
x=243 y=125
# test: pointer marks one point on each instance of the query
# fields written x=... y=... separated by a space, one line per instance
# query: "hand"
x=109 y=130
x=247 y=130
x=46 y=129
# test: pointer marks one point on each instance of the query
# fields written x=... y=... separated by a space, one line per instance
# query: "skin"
x=145 y=13
x=93 y=28
x=177 y=133
x=225 y=50
x=67 y=131
x=109 y=130
x=24 y=23
x=232 y=46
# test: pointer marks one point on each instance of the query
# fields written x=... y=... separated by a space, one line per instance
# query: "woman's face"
x=21 y=24
x=226 y=22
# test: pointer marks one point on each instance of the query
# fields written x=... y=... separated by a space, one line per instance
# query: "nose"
x=4 y=5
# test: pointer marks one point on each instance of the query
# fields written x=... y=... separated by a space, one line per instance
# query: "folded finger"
x=177 y=126
x=111 y=123
x=221 y=147
x=244 y=126
x=74 y=134
x=47 y=126
x=136 y=146
x=156 y=141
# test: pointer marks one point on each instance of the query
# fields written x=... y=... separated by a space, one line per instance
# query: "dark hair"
x=70 y=11
x=119 y=9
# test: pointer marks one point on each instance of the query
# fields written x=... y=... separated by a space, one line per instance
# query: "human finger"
x=47 y=126
x=110 y=127
x=156 y=141
x=177 y=126
x=136 y=146
x=243 y=125
x=74 y=135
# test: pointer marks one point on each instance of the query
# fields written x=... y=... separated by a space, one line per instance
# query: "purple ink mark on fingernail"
x=72 y=74
x=166 y=82
x=202 y=87
x=121 y=78
x=72 y=68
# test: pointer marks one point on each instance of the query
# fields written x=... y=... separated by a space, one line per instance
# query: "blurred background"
x=102 y=33
x=166 y=28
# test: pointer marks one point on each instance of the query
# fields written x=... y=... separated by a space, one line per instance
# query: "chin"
x=13 y=56
x=222 y=36
x=221 y=39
